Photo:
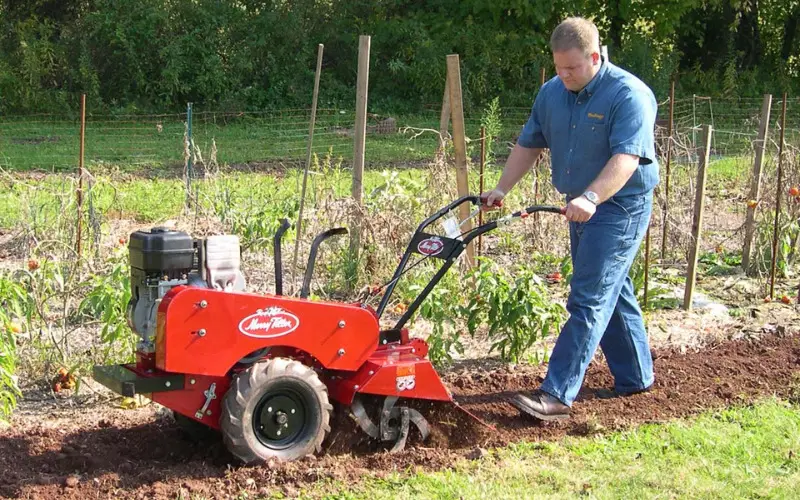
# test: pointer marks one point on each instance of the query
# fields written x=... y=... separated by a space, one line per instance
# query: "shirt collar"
x=591 y=87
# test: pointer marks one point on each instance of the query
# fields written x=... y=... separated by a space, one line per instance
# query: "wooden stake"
x=665 y=208
x=79 y=193
x=697 y=224
x=543 y=77
x=755 y=183
x=362 y=87
x=459 y=143
x=299 y=232
x=778 y=191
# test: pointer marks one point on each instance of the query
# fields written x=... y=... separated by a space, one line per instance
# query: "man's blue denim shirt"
x=614 y=113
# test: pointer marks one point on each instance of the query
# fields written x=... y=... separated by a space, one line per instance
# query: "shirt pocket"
x=593 y=138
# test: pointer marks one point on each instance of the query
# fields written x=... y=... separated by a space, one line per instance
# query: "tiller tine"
x=395 y=422
x=400 y=444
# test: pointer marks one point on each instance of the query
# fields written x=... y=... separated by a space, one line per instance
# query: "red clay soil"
x=102 y=452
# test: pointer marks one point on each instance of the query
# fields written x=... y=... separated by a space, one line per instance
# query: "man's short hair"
x=575 y=33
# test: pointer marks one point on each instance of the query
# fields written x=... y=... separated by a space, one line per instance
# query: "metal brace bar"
x=210 y=395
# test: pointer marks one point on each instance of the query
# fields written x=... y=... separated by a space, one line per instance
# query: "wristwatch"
x=591 y=196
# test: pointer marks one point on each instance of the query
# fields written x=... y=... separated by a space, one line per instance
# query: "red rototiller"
x=263 y=369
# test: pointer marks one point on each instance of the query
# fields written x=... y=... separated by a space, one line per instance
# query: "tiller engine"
x=264 y=369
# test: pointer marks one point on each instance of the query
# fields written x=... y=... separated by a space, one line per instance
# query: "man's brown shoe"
x=541 y=405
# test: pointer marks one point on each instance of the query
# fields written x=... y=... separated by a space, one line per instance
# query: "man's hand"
x=580 y=210
x=489 y=198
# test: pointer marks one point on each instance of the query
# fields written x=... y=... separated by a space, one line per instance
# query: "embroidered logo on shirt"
x=596 y=116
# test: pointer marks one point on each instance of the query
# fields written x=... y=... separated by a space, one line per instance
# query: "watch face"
x=591 y=196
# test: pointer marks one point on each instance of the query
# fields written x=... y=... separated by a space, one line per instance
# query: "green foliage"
x=14 y=308
x=789 y=236
x=658 y=297
x=251 y=206
x=261 y=55
x=40 y=305
x=441 y=308
x=721 y=263
x=107 y=301
x=516 y=306
x=490 y=120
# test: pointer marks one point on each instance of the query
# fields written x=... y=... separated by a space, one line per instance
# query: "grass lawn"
x=157 y=141
x=748 y=452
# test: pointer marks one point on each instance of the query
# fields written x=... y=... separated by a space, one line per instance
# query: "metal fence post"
x=190 y=155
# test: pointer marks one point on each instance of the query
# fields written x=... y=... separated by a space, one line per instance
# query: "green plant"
x=515 y=305
x=9 y=390
x=789 y=230
x=13 y=302
x=490 y=120
x=658 y=297
x=329 y=168
x=397 y=191
x=721 y=263
x=441 y=308
x=107 y=300
x=251 y=207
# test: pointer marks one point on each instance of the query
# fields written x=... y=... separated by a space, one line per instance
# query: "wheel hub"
x=279 y=419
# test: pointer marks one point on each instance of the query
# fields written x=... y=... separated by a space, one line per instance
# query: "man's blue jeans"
x=602 y=305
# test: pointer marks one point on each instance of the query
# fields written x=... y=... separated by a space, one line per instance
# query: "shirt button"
x=579 y=102
x=573 y=126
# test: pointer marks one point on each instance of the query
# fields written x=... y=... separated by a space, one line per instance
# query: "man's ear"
x=595 y=58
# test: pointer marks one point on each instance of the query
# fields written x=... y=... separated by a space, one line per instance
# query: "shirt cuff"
x=531 y=142
x=632 y=149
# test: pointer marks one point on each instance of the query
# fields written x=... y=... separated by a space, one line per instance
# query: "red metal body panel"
x=393 y=370
x=192 y=398
x=205 y=332
x=234 y=325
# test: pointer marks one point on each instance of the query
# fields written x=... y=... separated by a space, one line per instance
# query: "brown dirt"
x=103 y=452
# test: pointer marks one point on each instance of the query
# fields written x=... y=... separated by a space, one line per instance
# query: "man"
x=598 y=122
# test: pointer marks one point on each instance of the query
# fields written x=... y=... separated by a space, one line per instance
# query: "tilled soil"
x=102 y=452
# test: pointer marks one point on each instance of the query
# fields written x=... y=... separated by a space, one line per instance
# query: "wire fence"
x=735 y=123
x=199 y=141
x=50 y=143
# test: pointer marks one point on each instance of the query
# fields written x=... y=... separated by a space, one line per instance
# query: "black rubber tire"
x=250 y=390
x=192 y=429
